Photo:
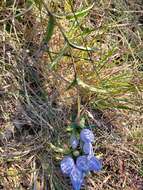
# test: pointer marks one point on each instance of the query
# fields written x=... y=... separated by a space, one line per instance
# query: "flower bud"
x=74 y=141
x=87 y=135
x=94 y=164
x=76 y=177
x=87 y=148
x=76 y=153
x=67 y=164
x=82 y=164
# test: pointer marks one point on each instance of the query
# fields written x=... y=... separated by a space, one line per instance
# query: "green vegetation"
x=62 y=64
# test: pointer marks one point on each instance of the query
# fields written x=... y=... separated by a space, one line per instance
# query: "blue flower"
x=77 y=178
x=86 y=135
x=94 y=164
x=67 y=164
x=74 y=142
x=82 y=163
x=87 y=148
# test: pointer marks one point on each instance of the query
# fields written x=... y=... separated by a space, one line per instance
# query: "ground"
x=70 y=59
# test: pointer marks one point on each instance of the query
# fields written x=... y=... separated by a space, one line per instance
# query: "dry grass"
x=38 y=98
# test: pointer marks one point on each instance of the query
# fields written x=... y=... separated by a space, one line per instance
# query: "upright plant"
x=81 y=159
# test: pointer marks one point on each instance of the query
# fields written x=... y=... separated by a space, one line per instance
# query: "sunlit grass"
x=51 y=54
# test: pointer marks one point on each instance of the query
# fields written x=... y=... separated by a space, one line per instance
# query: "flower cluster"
x=77 y=168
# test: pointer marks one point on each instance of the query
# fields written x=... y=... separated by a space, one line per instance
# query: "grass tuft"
x=64 y=59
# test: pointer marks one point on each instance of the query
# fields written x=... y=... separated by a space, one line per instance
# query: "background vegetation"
x=68 y=59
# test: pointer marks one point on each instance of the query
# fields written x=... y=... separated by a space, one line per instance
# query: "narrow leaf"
x=80 y=13
x=59 y=56
x=50 y=29
x=90 y=88
x=82 y=47
x=72 y=84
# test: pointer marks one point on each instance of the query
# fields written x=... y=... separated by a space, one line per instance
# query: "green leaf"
x=58 y=149
x=87 y=31
x=91 y=126
x=80 y=13
x=69 y=129
x=72 y=84
x=82 y=122
x=50 y=29
x=74 y=125
x=59 y=56
x=123 y=107
x=91 y=88
x=113 y=103
x=81 y=47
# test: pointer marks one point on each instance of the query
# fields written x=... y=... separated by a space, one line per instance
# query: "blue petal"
x=77 y=178
x=94 y=164
x=74 y=141
x=82 y=163
x=67 y=164
x=86 y=135
x=88 y=149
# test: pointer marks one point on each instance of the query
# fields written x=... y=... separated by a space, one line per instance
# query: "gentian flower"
x=67 y=164
x=74 y=141
x=86 y=135
x=87 y=148
x=76 y=177
x=82 y=163
x=94 y=164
